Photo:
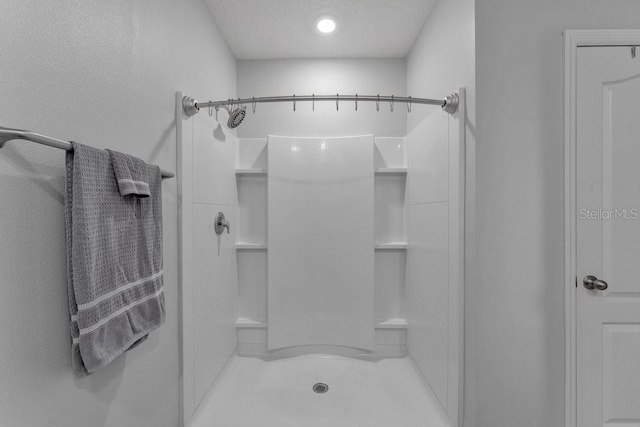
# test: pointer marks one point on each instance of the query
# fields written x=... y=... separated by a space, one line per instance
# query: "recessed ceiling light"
x=326 y=25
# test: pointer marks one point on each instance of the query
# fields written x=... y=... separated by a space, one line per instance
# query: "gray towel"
x=114 y=260
x=132 y=174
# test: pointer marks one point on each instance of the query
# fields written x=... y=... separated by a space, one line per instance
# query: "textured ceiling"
x=276 y=29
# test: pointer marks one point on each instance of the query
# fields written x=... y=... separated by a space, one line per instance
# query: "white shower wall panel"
x=428 y=255
x=252 y=153
x=208 y=261
x=434 y=253
x=321 y=230
x=213 y=162
x=428 y=157
x=427 y=343
x=389 y=152
x=215 y=340
x=428 y=293
x=214 y=267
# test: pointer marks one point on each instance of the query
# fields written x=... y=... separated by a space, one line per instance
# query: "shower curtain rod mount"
x=449 y=104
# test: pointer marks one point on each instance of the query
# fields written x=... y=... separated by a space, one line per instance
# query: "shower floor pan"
x=285 y=393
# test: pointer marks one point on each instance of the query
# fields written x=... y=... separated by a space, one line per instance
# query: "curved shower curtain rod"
x=448 y=104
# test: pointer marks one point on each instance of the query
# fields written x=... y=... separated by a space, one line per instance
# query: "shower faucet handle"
x=221 y=223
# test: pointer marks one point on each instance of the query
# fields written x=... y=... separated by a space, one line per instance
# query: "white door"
x=608 y=237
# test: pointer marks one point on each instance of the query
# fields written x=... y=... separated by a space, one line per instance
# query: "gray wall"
x=519 y=294
x=105 y=74
x=442 y=58
x=326 y=77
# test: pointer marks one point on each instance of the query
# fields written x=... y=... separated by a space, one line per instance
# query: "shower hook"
x=211 y=111
x=217 y=108
x=392 y=103
x=356 y=102
x=313 y=102
x=253 y=104
x=337 y=102
x=378 y=103
x=409 y=105
x=294 y=102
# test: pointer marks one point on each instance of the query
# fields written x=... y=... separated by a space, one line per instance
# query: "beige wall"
x=519 y=294
x=105 y=74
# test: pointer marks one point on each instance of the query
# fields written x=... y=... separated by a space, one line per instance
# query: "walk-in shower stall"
x=321 y=274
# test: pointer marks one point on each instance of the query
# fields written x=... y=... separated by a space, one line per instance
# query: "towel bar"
x=7 y=134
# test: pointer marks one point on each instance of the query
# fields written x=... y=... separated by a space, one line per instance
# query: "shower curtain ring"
x=392 y=103
x=313 y=102
x=294 y=102
x=356 y=102
x=409 y=105
x=217 y=108
x=210 y=110
x=337 y=101
x=253 y=104
x=378 y=103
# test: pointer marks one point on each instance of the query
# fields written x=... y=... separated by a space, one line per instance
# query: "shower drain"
x=320 y=388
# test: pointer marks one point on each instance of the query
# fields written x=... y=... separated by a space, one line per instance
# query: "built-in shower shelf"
x=244 y=322
x=251 y=246
x=392 y=324
x=390 y=246
x=391 y=171
x=258 y=172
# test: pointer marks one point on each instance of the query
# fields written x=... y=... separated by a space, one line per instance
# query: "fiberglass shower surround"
x=332 y=227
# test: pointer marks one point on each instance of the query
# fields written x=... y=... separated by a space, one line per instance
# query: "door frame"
x=572 y=40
